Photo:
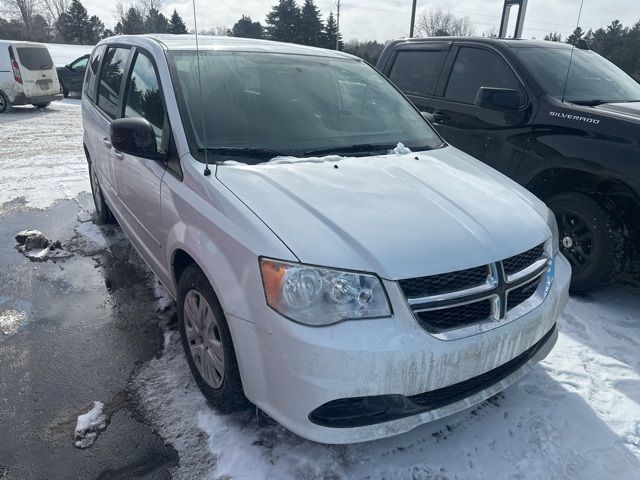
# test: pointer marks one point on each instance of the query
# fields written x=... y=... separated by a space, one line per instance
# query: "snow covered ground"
x=576 y=415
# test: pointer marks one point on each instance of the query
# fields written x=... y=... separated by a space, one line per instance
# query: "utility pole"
x=413 y=19
x=338 y=25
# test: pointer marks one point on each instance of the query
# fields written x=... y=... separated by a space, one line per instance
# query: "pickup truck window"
x=417 y=72
x=592 y=80
x=475 y=68
x=289 y=104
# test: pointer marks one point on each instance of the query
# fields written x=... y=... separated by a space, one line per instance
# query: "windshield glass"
x=592 y=79
x=286 y=104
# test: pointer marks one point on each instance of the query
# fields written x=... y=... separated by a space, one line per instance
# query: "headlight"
x=552 y=223
x=321 y=296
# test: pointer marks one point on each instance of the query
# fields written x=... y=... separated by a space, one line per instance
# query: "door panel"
x=497 y=138
x=138 y=179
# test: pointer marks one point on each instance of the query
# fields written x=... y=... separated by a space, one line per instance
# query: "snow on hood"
x=397 y=215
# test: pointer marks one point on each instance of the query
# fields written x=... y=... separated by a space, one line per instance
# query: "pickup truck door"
x=138 y=180
x=495 y=137
x=415 y=69
x=77 y=70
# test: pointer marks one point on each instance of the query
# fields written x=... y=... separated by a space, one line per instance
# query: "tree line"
x=617 y=43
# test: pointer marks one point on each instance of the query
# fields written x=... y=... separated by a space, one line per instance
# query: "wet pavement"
x=85 y=325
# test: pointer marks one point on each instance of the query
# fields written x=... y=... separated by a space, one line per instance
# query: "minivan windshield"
x=593 y=80
x=256 y=106
x=34 y=58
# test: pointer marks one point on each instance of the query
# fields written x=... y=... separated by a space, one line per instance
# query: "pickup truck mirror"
x=68 y=67
x=503 y=99
x=134 y=136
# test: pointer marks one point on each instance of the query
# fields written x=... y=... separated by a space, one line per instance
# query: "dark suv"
x=562 y=121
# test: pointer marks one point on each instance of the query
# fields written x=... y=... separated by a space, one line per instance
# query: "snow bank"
x=88 y=426
x=65 y=54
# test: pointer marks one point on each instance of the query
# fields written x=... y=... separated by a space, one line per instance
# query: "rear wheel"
x=207 y=342
x=41 y=105
x=102 y=209
x=5 y=104
x=591 y=237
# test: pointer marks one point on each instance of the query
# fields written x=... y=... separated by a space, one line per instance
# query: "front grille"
x=521 y=294
x=519 y=262
x=452 y=301
x=444 y=283
x=436 y=321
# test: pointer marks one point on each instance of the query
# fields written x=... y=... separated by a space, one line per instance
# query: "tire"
x=41 y=106
x=65 y=92
x=207 y=343
x=102 y=209
x=5 y=104
x=591 y=237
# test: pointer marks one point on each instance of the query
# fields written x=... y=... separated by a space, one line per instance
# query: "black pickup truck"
x=560 y=120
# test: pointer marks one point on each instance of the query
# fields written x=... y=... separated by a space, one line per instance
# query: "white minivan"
x=27 y=75
x=334 y=261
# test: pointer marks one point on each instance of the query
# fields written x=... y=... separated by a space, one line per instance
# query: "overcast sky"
x=386 y=19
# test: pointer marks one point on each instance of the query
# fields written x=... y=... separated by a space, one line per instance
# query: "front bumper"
x=293 y=371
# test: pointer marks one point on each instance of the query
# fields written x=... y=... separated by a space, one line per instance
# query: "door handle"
x=440 y=117
x=116 y=154
x=106 y=142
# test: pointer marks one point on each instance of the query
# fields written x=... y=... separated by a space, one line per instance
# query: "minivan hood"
x=399 y=216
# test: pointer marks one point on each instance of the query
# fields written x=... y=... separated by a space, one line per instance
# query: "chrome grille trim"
x=496 y=288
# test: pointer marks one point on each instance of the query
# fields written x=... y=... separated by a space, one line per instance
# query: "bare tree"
x=25 y=11
x=491 y=32
x=55 y=8
x=438 y=23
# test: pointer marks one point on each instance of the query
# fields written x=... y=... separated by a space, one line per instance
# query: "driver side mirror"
x=134 y=136
x=69 y=67
x=502 y=99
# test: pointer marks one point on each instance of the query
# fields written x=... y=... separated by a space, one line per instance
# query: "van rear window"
x=37 y=58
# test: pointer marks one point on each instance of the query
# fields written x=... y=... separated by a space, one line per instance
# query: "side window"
x=475 y=68
x=143 y=96
x=92 y=73
x=417 y=72
x=115 y=61
x=80 y=64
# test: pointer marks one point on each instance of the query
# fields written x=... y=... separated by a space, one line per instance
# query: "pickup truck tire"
x=207 y=342
x=65 y=92
x=591 y=237
x=102 y=209
x=5 y=104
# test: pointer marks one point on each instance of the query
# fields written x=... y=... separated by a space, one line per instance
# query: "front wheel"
x=207 y=342
x=591 y=238
x=102 y=209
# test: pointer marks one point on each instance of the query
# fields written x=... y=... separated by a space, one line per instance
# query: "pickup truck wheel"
x=591 y=238
x=102 y=209
x=65 y=92
x=207 y=342
x=5 y=104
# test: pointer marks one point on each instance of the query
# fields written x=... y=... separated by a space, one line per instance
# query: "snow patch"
x=89 y=425
x=84 y=216
x=34 y=245
x=10 y=320
x=162 y=295
x=93 y=235
x=401 y=149
x=289 y=160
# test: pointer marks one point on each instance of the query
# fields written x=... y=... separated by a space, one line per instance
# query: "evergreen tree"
x=283 y=22
x=75 y=26
x=553 y=37
x=331 y=33
x=577 y=34
x=96 y=30
x=155 y=22
x=131 y=23
x=247 y=29
x=311 y=26
x=11 y=29
x=41 y=29
x=176 y=24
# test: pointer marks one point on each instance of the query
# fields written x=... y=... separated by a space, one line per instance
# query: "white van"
x=27 y=75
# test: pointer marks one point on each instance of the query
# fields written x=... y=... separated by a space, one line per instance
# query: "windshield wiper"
x=590 y=103
x=360 y=148
x=243 y=152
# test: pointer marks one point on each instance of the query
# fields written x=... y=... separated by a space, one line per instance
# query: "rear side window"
x=115 y=61
x=92 y=73
x=144 y=98
x=417 y=72
x=475 y=68
x=34 y=58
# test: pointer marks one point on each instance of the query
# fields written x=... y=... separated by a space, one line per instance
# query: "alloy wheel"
x=204 y=339
x=576 y=240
